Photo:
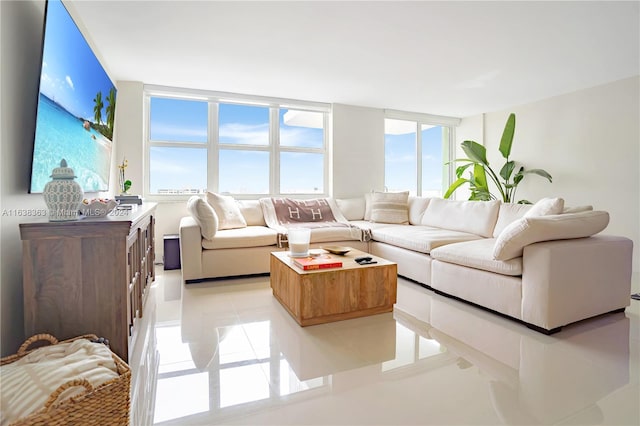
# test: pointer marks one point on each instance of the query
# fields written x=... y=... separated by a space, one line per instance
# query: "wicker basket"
x=107 y=404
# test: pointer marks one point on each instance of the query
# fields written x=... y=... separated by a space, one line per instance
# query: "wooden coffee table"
x=326 y=295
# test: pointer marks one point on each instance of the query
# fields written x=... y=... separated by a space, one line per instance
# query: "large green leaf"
x=455 y=185
x=460 y=170
x=539 y=172
x=507 y=169
x=480 y=177
x=476 y=152
x=507 y=136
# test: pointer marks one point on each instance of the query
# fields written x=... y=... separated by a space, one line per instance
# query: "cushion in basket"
x=204 y=215
x=228 y=211
x=38 y=374
x=390 y=207
x=529 y=230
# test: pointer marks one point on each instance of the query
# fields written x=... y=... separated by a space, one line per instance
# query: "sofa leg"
x=543 y=330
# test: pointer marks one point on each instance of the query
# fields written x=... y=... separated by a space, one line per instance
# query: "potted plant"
x=506 y=181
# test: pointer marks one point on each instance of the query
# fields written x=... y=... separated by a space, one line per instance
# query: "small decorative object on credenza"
x=128 y=199
x=62 y=194
x=123 y=182
x=97 y=207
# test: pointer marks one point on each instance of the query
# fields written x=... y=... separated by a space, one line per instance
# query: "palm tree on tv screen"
x=97 y=109
x=111 y=109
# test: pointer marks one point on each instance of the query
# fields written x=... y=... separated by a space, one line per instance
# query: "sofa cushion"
x=475 y=217
x=352 y=208
x=419 y=238
x=228 y=211
x=252 y=212
x=508 y=213
x=477 y=254
x=204 y=215
x=390 y=207
x=545 y=207
x=577 y=209
x=249 y=236
x=529 y=230
x=417 y=207
x=336 y=233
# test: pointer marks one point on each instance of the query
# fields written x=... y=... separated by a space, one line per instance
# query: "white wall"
x=589 y=141
x=358 y=150
x=129 y=133
x=20 y=43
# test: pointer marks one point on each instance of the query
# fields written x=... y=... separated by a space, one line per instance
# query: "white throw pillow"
x=204 y=216
x=417 y=207
x=390 y=207
x=545 y=207
x=508 y=213
x=228 y=211
x=352 y=208
x=474 y=217
x=251 y=211
x=528 y=230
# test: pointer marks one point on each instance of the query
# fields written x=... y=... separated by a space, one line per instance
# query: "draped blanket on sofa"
x=322 y=215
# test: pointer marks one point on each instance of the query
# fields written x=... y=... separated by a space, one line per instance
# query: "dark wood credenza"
x=89 y=276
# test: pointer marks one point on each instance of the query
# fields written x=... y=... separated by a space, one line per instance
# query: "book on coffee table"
x=316 y=262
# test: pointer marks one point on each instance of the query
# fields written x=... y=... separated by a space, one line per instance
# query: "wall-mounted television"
x=76 y=107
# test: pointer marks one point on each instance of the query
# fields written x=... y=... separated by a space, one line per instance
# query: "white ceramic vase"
x=63 y=194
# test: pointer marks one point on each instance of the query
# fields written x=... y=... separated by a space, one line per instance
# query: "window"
x=233 y=144
x=177 y=146
x=416 y=152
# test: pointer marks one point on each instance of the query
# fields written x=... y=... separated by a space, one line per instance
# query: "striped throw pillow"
x=390 y=207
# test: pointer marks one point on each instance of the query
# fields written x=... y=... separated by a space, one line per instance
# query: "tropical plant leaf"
x=517 y=179
x=524 y=202
x=507 y=169
x=480 y=177
x=477 y=178
x=476 y=152
x=460 y=170
x=480 y=195
x=455 y=185
x=539 y=172
x=507 y=136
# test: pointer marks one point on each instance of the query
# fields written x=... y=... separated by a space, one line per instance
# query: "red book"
x=322 y=262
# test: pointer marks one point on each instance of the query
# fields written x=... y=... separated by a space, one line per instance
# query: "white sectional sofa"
x=543 y=265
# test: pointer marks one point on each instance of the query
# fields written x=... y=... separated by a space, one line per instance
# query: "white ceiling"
x=446 y=58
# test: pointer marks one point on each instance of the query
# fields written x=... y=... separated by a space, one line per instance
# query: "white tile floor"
x=230 y=354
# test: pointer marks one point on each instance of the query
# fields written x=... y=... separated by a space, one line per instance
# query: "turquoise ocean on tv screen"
x=61 y=135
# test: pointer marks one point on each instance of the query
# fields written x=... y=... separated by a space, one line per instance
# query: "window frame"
x=432 y=120
x=213 y=145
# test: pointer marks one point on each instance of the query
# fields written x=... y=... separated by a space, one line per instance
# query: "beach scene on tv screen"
x=76 y=107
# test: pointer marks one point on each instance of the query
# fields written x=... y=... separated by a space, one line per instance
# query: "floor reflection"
x=235 y=356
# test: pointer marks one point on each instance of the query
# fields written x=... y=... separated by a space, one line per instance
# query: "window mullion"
x=274 y=145
x=213 y=153
x=419 y=158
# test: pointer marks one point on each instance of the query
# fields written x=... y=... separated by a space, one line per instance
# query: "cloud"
x=179 y=133
x=69 y=82
x=245 y=134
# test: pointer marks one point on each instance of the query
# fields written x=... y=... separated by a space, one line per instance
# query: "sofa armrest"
x=564 y=281
x=190 y=249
